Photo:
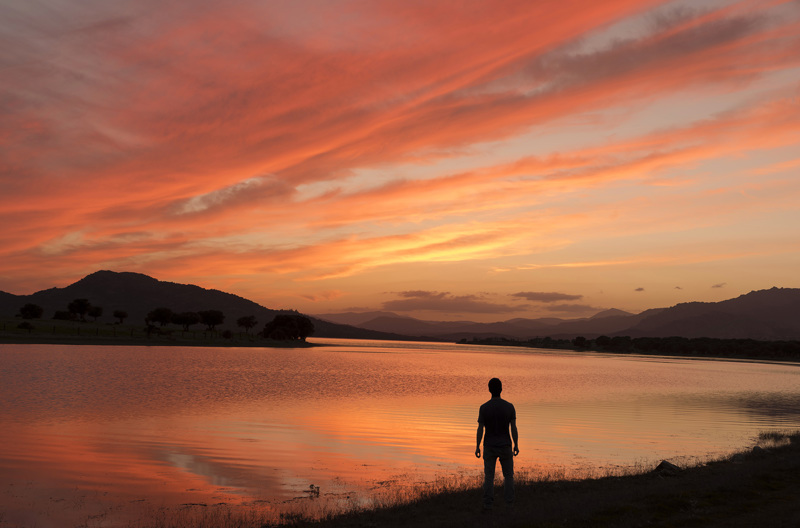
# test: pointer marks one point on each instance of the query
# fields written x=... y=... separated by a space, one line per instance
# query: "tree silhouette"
x=64 y=315
x=79 y=307
x=211 y=318
x=94 y=312
x=186 y=319
x=621 y=343
x=162 y=316
x=603 y=341
x=247 y=322
x=121 y=315
x=31 y=311
x=288 y=327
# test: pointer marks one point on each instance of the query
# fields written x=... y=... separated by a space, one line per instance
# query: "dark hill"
x=772 y=314
x=595 y=326
x=606 y=322
x=354 y=318
x=400 y=325
x=455 y=330
x=8 y=299
x=138 y=294
x=613 y=312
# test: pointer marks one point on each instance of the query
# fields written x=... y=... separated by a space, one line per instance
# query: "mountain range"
x=772 y=314
x=138 y=294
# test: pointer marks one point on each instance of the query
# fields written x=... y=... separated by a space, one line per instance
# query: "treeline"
x=283 y=327
x=667 y=346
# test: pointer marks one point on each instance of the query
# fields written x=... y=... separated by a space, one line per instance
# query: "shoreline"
x=751 y=487
x=86 y=333
x=103 y=334
x=755 y=487
x=106 y=341
x=7 y=338
x=672 y=347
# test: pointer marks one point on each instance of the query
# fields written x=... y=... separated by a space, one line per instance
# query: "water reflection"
x=109 y=426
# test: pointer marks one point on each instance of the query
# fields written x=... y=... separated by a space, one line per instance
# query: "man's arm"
x=478 y=440
x=515 y=436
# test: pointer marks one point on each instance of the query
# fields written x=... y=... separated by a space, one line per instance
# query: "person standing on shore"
x=497 y=417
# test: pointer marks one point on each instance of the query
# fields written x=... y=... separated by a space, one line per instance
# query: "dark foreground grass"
x=754 y=488
x=757 y=488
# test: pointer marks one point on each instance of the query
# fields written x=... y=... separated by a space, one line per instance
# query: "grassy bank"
x=681 y=347
x=41 y=331
x=758 y=487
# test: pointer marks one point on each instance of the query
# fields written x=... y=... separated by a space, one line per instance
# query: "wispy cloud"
x=323 y=296
x=546 y=297
x=445 y=302
x=252 y=192
x=302 y=143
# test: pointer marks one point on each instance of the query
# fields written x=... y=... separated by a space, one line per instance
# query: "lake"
x=100 y=434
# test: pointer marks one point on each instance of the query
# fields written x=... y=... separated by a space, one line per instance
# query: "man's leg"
x=489 y=463
x=507 y=463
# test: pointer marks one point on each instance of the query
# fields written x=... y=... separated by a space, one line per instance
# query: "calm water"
x=95 y=432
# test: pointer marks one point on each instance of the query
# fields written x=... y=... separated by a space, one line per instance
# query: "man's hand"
x=516 y=450
x=477 y=452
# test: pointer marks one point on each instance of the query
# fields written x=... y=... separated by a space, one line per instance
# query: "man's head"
x=495 y=386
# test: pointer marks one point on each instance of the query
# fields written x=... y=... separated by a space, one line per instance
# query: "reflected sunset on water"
x=136 y=427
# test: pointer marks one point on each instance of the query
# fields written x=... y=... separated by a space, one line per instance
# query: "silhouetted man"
x=497 y=416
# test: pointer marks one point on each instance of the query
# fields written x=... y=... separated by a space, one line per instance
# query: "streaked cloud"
x=323 y=296
x=428 y=301
x=290 y=150
x=259 y=190
x=546 y=297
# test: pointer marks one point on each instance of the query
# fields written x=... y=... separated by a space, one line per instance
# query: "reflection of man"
x=496 y=416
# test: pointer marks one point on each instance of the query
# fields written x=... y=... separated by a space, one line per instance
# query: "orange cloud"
x=323 y=296
x=184 y=142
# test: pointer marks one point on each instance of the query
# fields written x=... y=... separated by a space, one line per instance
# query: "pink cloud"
x=180 y=139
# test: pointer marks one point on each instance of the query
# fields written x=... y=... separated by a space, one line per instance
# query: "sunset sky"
x=479 y=160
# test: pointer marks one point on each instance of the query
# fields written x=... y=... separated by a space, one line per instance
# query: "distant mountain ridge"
x=138 y=294
x=605 y=322
x=772 y=314
x=764 y=314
